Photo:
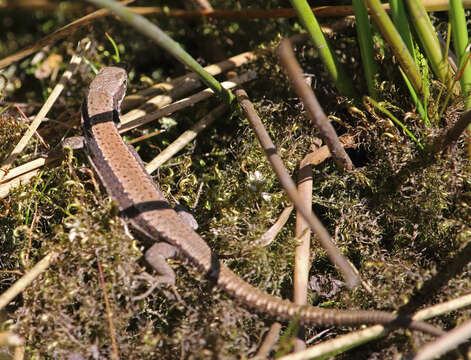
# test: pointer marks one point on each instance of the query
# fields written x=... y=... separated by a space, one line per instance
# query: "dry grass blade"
x=74 y=62
x=30 y=166
x=168 y=92
x=445 y=343
x=313 y=108
x=128 y=122
x=19 y=180
x=269 y=236
x=349 y=272
x=185 y=138
x=27 y=279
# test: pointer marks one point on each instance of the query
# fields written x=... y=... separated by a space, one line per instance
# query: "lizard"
x=146 y=210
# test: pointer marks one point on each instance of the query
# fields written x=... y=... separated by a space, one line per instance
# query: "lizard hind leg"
x=156 y=256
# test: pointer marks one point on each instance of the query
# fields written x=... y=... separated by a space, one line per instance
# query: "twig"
x=445 y=343
x=319 y=155
x=74 y=62
x=302 y=251
x=451 y=135
x=27 y=279
x=182 y=85
x=349 y=272
x=185 y=138
x=313 y=108
x=269 y=235
x=270 y=340
x=19 y=180
x=128 y=122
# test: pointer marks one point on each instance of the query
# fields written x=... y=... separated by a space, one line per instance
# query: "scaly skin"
x=127 y=182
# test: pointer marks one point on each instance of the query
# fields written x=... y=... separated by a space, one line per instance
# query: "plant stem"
x=396 y=43
x=342 y=80
x=428 y=38
x=460 y=42
x=365 y=40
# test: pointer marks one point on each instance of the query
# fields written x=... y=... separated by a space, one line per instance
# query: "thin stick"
x=452 y=134
x=349 y=272
x=74 y=62
x=29 y=166
x=27 y=279
x=19 y=180
x=185 y=138
x=302 y=251
x=445 y=343
x=128 y=123
x=321 y=11
x=319 y=155
x=313 y=108
x=182 y=85
x=270 y=340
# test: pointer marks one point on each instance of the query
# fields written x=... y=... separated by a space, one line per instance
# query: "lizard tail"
x=311 y=315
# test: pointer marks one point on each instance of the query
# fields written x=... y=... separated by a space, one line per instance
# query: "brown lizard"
x=144 y=207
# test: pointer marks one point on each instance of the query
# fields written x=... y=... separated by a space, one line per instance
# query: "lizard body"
x=125 y=179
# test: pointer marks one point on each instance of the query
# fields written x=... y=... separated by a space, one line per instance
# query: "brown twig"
x=313 y=108
x=244 y=14
x=348 y=270
x=445 y=343
x=27 y=279
x=451 y=135
x=302 y=251
x=129 y=121
x=270 y=340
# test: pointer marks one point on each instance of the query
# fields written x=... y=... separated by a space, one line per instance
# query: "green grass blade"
x=365 y=40
x=460 y=42
x=404 y=128
x=418 y=104
x=342 y=81
x=429 y=40
x=396 y=43
x=152 y=31
x=400 y=20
